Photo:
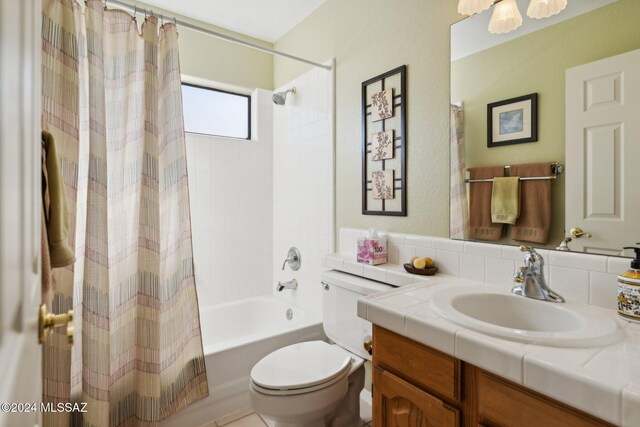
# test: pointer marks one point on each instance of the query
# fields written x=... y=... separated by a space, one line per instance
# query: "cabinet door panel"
x=400 y=404
x=421 y=365
x=505 y=404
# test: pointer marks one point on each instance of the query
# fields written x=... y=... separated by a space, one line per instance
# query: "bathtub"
x=235 y=336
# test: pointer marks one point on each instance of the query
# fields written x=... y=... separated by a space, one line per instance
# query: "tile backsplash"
x=585 y=278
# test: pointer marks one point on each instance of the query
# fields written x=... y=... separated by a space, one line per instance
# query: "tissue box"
x=372 y=251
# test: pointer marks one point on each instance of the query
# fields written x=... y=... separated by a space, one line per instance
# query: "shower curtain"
x=112 y=100
x=459 y=210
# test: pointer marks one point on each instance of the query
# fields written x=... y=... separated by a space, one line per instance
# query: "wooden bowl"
x=422 y=271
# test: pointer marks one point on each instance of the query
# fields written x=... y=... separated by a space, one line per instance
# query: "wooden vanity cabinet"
x=417 y=386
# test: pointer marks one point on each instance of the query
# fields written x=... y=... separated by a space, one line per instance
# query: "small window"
x=216 y=112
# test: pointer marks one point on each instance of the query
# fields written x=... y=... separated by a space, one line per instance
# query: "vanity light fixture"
x=539 y=9
x=506 y=16
x=471 y=7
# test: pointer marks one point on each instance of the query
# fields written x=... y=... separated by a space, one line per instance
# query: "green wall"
x=212 y=59
x=537 y=63
x=367 y=38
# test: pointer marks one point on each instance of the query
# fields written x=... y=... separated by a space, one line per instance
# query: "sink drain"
x=289 y=314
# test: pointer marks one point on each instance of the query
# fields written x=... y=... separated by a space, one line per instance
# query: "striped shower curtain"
x=459 y=209
x=112 y=100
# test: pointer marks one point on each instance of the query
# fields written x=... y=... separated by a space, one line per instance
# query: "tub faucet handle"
x=294 y=259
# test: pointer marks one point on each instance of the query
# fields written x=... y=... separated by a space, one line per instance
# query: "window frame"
x=199 y=86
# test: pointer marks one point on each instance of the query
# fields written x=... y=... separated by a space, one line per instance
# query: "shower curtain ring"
x=135 y=11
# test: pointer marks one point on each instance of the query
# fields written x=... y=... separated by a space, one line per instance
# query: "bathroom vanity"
x=416 y=385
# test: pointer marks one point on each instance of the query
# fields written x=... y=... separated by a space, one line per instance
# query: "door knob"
x=368 y=345
x=577 y=232
x=47 y=321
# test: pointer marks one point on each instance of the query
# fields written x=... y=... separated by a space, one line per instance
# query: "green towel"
x=57 y=215
x=505 y=200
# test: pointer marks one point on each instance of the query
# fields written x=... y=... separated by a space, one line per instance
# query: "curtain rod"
x=221 y=36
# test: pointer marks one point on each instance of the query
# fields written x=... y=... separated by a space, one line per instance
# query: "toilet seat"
x=301 y=368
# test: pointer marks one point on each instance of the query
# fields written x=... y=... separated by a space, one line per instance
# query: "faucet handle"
x=518 y=276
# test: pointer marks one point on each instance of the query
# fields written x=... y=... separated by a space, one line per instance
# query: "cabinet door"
x=396 y=403
x=505 y=404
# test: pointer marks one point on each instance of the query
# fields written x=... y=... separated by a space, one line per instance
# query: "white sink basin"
x=526 y=320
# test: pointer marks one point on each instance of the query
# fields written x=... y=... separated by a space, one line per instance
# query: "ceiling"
x=263 y=19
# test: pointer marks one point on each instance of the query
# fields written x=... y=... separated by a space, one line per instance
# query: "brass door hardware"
x=578 y=232
x=47 y=321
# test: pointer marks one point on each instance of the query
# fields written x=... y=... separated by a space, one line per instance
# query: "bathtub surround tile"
x=303 y=188
x=230 y=192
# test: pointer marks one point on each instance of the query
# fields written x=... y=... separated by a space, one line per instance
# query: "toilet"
x=315 y=383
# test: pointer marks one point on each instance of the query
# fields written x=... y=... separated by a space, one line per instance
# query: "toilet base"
x=346 y=414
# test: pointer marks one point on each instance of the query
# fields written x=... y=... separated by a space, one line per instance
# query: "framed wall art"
x=512 y=121
x=384 y=110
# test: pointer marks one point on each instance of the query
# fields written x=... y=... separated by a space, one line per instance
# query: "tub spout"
x=291 y=284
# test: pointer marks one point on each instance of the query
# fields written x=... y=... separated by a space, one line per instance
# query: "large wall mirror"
x=583 y=64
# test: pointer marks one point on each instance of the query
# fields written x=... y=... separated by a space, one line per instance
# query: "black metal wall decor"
x=384 y=141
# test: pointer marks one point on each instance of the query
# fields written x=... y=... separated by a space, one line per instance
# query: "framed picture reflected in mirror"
x=512 y=121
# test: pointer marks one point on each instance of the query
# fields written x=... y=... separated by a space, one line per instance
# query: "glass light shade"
x=506 y=17
x=470 y=7
x=545 y=8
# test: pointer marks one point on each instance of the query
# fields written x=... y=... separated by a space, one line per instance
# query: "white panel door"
x=20 y=207
x=603 y=153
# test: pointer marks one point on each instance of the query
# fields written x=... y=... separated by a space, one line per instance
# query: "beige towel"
x=57 y=214
x=535 y=204
x=480 y=225
x=505 y=200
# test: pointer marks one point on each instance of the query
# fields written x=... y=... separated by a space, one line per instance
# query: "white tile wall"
x=585 y=278
x=303 y=212
x=230 y=191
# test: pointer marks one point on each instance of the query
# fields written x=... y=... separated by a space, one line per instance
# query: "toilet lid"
x=301 y=365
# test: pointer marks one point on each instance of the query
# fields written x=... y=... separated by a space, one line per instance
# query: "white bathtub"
x=235 y=336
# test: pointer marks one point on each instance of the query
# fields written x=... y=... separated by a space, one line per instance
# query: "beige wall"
x=367 y=38
x=206 y=57
x=537 y=63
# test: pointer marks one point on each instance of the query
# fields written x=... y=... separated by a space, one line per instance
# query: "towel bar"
x=556 y=169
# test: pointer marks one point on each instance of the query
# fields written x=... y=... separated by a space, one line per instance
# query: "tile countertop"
x=602 y=381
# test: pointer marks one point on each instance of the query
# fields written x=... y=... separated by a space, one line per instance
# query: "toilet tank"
x=340 y=309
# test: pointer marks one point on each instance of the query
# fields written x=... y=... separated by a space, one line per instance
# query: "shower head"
x=279 y=98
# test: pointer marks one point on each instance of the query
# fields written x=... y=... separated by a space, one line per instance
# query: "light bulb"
x=506 y=17
x=545 y=8
x=470 y=7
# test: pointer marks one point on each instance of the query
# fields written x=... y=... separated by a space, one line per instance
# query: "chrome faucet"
x=291 y=284
x=528 y=280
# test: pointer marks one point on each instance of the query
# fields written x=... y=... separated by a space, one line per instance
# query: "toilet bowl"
x=315 y=383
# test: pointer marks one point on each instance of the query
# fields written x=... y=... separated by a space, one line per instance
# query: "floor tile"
x=234 y=416
x=252 y=420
